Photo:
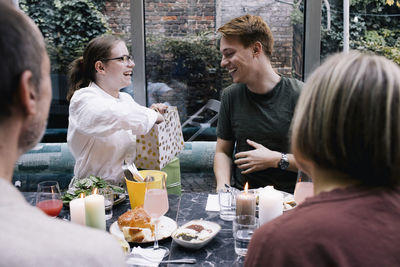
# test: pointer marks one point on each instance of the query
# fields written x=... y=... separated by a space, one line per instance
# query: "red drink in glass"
x=48 y=198
x=51 y=207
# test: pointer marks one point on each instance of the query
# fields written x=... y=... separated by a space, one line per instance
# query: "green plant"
x=378 y=34
x=297 y=16
x=67 y=27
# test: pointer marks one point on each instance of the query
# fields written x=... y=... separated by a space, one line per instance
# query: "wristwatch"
x=284 y=162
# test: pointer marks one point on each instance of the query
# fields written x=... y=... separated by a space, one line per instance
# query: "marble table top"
x=190 y=206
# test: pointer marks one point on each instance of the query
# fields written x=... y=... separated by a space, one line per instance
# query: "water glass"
x=227 y=204
x=243 y=229
x=108 y=194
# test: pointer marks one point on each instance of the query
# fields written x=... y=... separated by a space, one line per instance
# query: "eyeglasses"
x=124 y=58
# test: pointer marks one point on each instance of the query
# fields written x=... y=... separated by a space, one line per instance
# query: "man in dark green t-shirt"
x=256 y=111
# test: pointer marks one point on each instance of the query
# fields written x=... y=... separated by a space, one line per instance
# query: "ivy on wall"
x=67 y=26
x=370 y=31
x=373 y=32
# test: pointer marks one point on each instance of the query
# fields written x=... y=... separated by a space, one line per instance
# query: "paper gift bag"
x=173 y=170
x=159 y=146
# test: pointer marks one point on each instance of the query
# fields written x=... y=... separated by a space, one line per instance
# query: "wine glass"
x=156 y=205
x=304 y=187
x=48 y=198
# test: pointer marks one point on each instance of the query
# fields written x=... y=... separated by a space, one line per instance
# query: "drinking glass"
x=108 y=194
x=304 y=187
x=48 y=198
x=156 y=205
x=243 y=228
x=227 y=204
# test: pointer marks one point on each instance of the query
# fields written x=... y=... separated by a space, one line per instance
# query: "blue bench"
x=54 y=161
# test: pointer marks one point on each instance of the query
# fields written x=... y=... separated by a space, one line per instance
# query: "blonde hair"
x=250 y=29
x=348 y=118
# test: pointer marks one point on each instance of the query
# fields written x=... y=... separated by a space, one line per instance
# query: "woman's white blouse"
x=102 y=131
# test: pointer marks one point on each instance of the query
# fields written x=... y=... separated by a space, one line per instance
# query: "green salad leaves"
x=86 y=186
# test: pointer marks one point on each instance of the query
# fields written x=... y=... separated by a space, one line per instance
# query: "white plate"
x=166 y=227
x=212 y=227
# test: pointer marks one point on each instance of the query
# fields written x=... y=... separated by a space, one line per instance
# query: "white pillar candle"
x=95 y=211
x=77 y=211
x=270 y=204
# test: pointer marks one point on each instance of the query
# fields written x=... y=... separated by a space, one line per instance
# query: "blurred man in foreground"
x=28 y=236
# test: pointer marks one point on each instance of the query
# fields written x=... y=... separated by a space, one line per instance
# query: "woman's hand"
x=159 y=107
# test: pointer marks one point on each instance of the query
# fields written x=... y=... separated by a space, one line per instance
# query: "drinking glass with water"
x=227 y=204
x=243 y=229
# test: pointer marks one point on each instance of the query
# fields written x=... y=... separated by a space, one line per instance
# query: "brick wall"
x=276 y=15
x=179 y=17
x=119 y=17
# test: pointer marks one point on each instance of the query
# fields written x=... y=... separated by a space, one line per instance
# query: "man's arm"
x=223 y=162
x=261 y=158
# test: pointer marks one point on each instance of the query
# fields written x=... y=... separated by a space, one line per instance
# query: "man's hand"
x=258 y=159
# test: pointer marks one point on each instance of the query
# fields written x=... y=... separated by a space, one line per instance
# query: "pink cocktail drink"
x=51 y=207
x=302 y=191
x=156 y=202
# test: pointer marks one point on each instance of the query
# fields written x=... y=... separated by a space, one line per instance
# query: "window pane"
x=373 y=27
x=67 y=27
x=183 y=58
x=182 y=54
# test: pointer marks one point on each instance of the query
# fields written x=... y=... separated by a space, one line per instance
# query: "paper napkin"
x=212 y=203
x=144 y=257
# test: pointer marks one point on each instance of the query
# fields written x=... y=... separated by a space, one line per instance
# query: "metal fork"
x=189 y=261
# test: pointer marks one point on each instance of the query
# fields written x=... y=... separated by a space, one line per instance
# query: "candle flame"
x=82 y=195
x=95 y=191
x=246 y=187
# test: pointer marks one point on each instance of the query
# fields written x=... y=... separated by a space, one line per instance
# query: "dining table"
x=219 y=251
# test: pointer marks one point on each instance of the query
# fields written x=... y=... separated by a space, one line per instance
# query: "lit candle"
x=246 y=202
x=270 y=204
x=95 y=211
x=77 y=210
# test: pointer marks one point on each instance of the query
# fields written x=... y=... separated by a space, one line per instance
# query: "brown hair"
x=82 y=71
x=21 y=48
x=250 y=29
x=348 y=118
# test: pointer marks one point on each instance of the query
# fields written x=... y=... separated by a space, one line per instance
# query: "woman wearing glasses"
x=104 y=122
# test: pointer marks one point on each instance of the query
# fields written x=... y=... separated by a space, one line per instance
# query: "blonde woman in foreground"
x=346 y=135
